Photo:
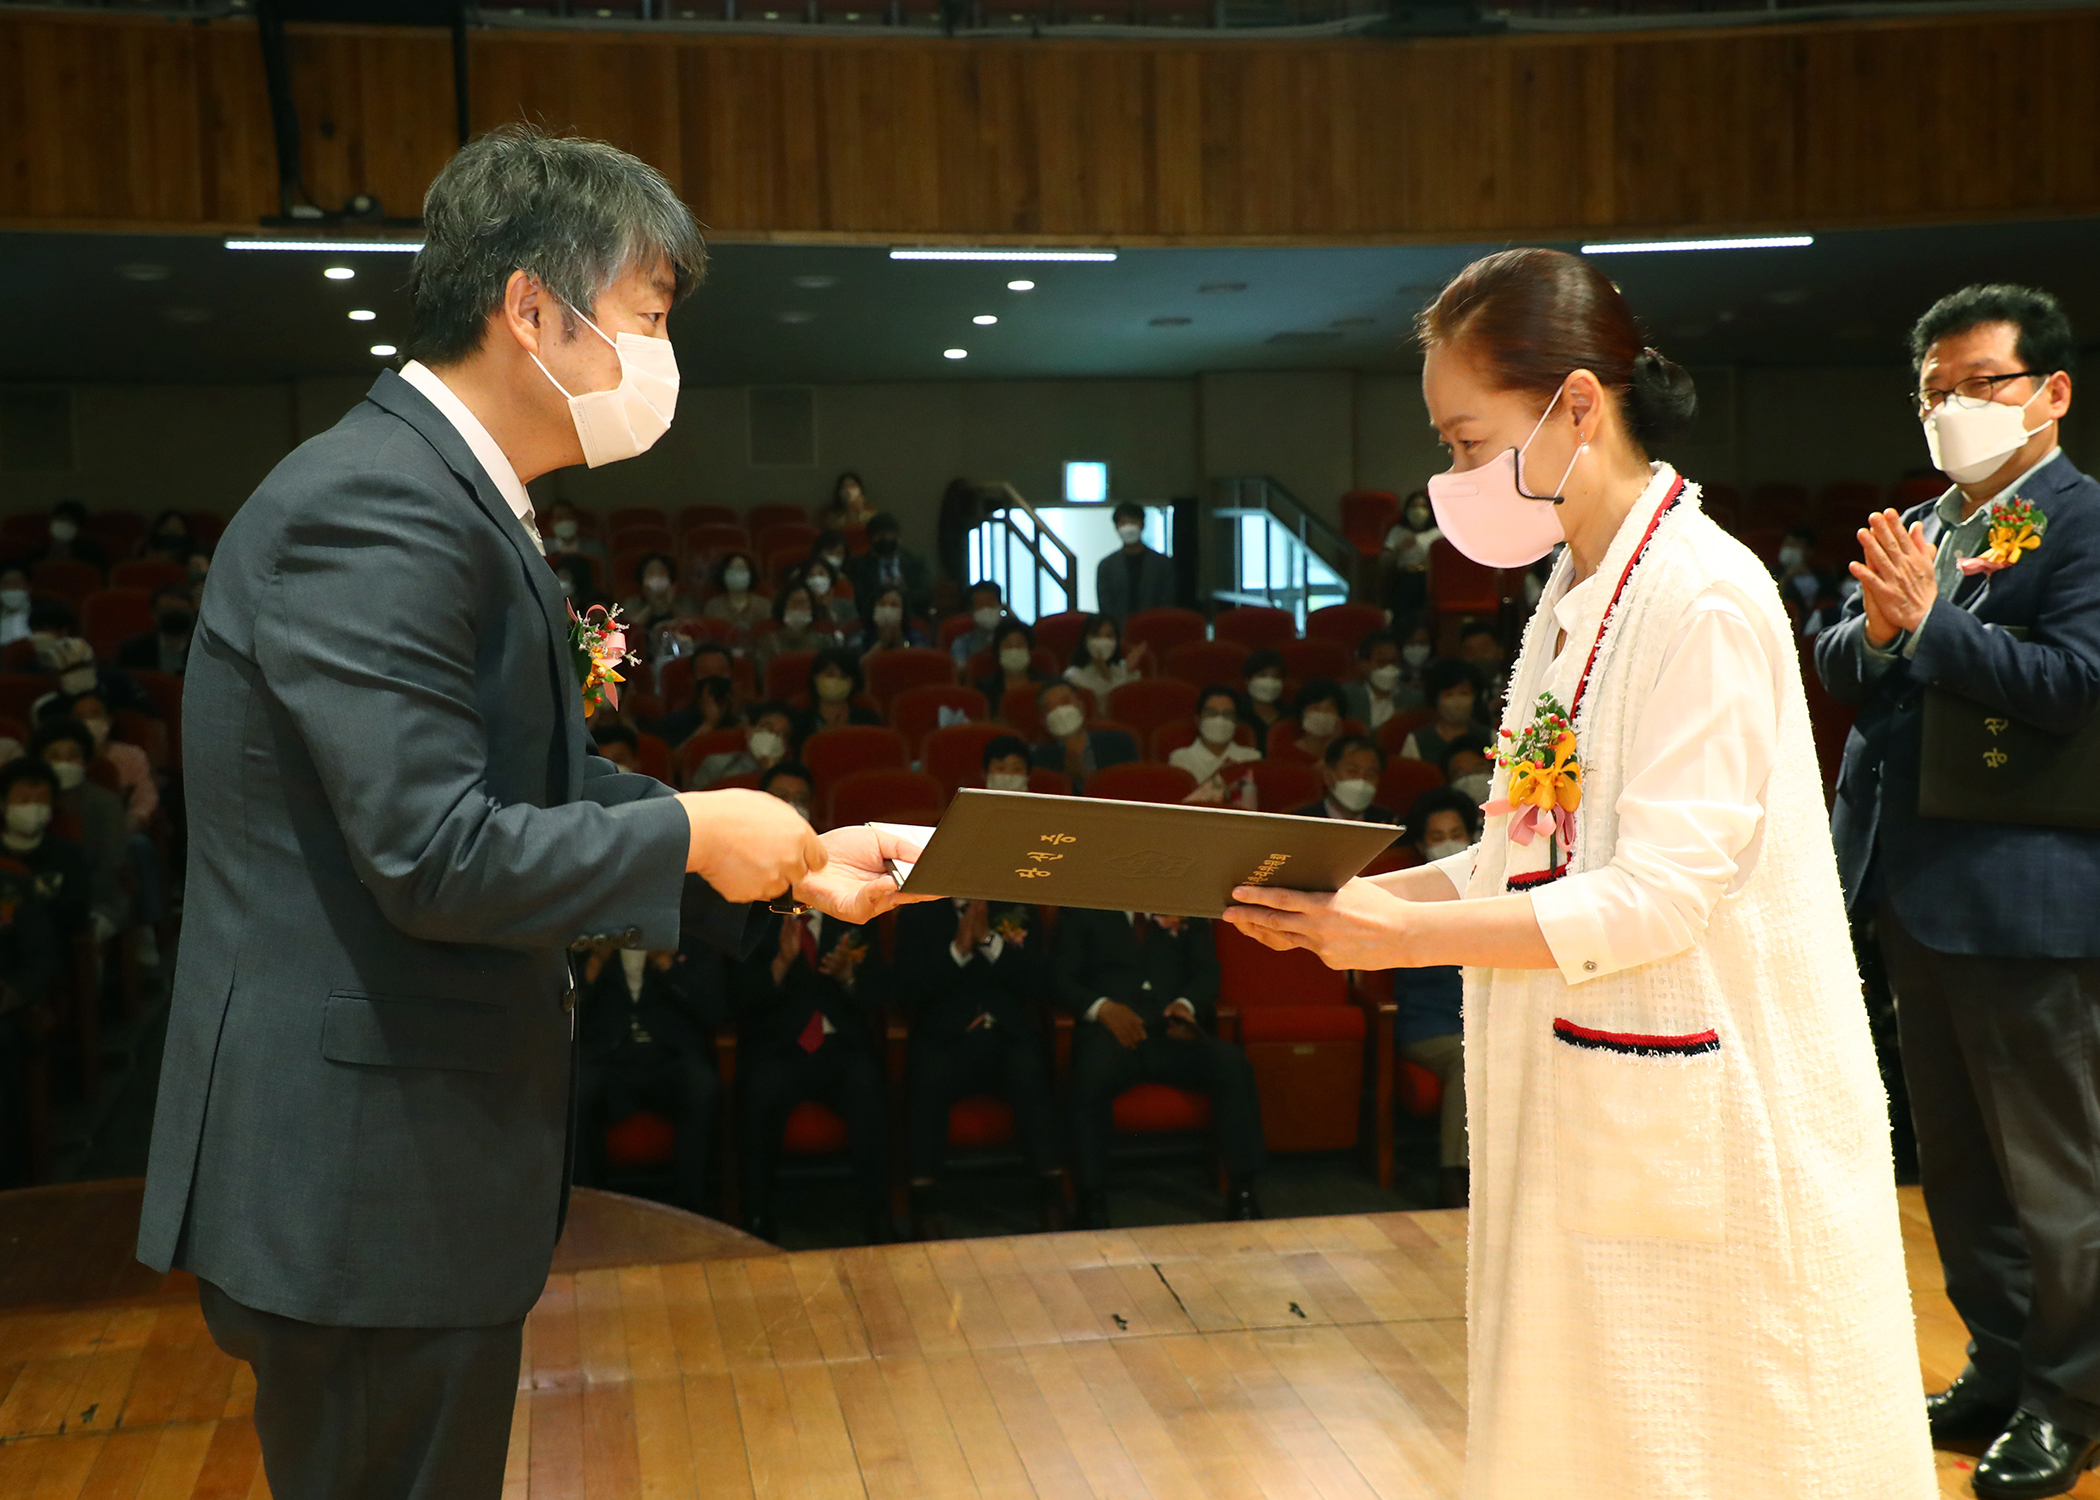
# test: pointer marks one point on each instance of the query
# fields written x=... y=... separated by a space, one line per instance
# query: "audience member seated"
x=1470 y=772
x=1320 y=709
x=658 y=601
x=793 y=783
x=770 y=740
x=166 y=647
x=67 y=537
x=200 y=569
x=973 y=976
x=806 y=999
x=1068 y=745
x=1006 y=764
x=97 y=812
x=1442 y=824
x=1144 y=991
x=1351 y=768
x=64 y=877
x=1417 y=649
x=1404 y=564
x=646 y=1024
x=1262 y=672
x=1454 y=692
x=1214 y=755
x=889 y=627
x=798 y=626
x=14 y=605
x=736 y=601
x=1133 y=578
x=888 y=566
x=987 y=609
x=168 y=538
x=834 y=682
x=1098 y=663
x=829 y=588
x=139 y=793
x=562 y=533
x=72 y=661
x=1480 y=647
x=1015 y=662
x=618 y=744
x=715 y=703
x=578 y=578
x=1383 y=690
x=31 y=959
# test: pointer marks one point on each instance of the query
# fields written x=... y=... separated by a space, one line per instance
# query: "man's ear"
x=524 y=303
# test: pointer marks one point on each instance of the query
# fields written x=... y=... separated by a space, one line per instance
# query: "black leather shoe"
x=1242 y=1205
x=2033 y=1458
x=1966 y=1410
x=1093 y=1209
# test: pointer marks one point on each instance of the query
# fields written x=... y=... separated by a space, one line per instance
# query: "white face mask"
x=834 y=689
x=1476 y=786
x=656 y=585
x=629 y=418
x=736 y=580
x=1385 y=678
x=1792 y=555
x=565 y=530
x=1320 y=723
x=28 y=819
x=76 y=680
x=63 y=531
x=1355 y=793
x=14 y=601
x=836 y=559
x=1445 y=848
x=1064 y=720
x=1129 y=533
x=1265 y=689
x=1014 y=660
x=1101 y=647
x=70 y=774
x=765 y=744
x=887 y=615
x=1414 y=653
x=1007 y=781
x=819 y=584
x=1217 y=729
x=1969 y=440
x=986 y=619
x=796 y=619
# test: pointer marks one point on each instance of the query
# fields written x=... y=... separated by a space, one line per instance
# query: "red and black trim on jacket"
x=1633 y=1044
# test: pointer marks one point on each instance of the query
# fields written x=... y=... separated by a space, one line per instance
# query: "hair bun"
x=1663 y=400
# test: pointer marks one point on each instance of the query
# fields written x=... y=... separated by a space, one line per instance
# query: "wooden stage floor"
x=672 y=1358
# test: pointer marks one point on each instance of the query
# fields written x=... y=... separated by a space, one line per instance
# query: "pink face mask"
x=1487 y=514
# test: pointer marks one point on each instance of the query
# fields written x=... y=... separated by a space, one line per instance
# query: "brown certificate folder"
x=1177 y=861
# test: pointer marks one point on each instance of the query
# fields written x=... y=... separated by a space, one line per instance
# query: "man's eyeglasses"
x=1977 y=390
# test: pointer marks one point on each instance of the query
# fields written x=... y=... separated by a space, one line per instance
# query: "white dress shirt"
x=479 y=443
x=1692 y=811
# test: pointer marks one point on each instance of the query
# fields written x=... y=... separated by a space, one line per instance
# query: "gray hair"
x=575 y=214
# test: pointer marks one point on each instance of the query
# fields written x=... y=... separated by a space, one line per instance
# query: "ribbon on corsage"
x=1545 y=776
x=600 y=642
x=2016 y=530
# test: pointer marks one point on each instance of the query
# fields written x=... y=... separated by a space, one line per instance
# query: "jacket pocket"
x=1637 y=1135
x=418 y=1031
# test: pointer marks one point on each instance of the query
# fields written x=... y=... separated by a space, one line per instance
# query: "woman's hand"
x=1359 y=926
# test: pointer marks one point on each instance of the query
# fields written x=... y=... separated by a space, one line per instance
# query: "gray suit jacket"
x=396 y=830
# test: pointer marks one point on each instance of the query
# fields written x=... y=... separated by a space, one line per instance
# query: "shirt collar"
x=1949 y=507
x=479 y=443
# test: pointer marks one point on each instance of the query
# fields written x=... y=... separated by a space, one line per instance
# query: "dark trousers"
x=636 y=1078
x=1103 y=1067
x=2002 y=1060
x=374 y=1413
x=989 y=1060
x=845 y=1080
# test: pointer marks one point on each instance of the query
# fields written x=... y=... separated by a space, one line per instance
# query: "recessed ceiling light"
x=816 y=281
x=1223 y=286
x=1171 y=322
x=955 y=354
x=1020 y=286
x=142 y=270
x=405 y=247
x=1756 y=242
x=362 y=315
x=339 y=273
x=794 y=315
x=943 y=253
x=984 y=320
x=385 y=351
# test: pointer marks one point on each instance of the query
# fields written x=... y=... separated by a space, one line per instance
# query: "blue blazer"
x=1962 y=887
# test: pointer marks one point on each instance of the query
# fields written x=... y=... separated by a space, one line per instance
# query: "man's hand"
x=1897 y=585
x=1360 y=926
x=1123 y=1023
x=851 y=883
x=1181 y=1022
x=747 y=845
x=973 y=930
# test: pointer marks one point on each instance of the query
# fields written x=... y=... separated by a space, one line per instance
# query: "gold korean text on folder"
x=1265 y=869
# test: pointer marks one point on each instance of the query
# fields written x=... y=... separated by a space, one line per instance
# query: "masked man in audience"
x=1382 y=691
x=646 y=1025
x=1351 y=770
x=987 y=609
x=974 y=974
x=771 y=738
x=58 y=863
x=66 y=536
x=1144 y=991
x=1006 y=764
x=166 y=647
x=96 y=812
x=1068 y=745
x=1991 y=595
x=1133 y=578
x=886 y=565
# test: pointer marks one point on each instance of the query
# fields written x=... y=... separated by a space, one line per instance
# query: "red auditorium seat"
x=1310 y=658
x=785 y=536
x=1140 y=782
x=1393 y=733
x=653 y=756
x=1060 y=633
x=976 y=1121
x=638 y=515
x=1159 y=1108
x=706 y=515
x=1346 y=623
x=206 y=527
x=954 y=756
x=882 y=795
x=642 y=539
x=1367 y=515
x=1045 y=782
x=110 y=617
x=119 y=531
x=1285 y=785
x=776 y=515
x=787 y=675
x=1404 y=780
x=1151 y=702
x=18 y=690
x=916 y=712
x=709 y=540
x=67 y=578
x=831 y=753
x=1017 y=707
x=1419 y=1091
x=148 y=573
x=643 y=1139
x=1162 y=629
x=813 y=1130
x=1460 y=586
x=1255 y=626
x=889 y=673
x=955 y=625
x=1202 y=663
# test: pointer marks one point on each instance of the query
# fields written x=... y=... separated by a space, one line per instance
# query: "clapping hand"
x=1897 y=584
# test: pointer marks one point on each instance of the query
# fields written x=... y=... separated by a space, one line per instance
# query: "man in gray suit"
x=398 y=830
x=1133 y=577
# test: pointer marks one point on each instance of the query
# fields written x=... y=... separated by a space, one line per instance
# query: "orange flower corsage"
x=1545 y=776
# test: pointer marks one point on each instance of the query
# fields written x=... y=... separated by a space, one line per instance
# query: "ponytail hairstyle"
x=1534 y=317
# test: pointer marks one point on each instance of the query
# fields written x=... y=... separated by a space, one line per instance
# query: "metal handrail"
x=1000 y=511
x=1236 y=495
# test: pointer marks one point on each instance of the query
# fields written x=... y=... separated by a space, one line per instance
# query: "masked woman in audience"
x=797 y=626
x=1454 y=691
x=889 y=627
x=657 y=600
x=168 y=538
x=1098 y=661
x=97 y=812
x=1215 y=757
x=1405 y=560
x=1322 y=711
x=829 y=591
x=834 y=683
x=736 y=600
x=1013 y=664
x=29 y=795
x=1262 y=703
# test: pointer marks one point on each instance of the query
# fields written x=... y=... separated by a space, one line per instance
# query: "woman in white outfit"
x=1686 y=1274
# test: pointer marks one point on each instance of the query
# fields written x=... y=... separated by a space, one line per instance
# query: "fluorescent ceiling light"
x=339 y=273
x=1759 y=242
x=1058 y=255
x=333 y=247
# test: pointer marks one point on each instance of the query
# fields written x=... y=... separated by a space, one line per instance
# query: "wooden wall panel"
x=132 y=123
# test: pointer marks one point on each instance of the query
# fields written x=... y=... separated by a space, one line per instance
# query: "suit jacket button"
x=568 y=999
